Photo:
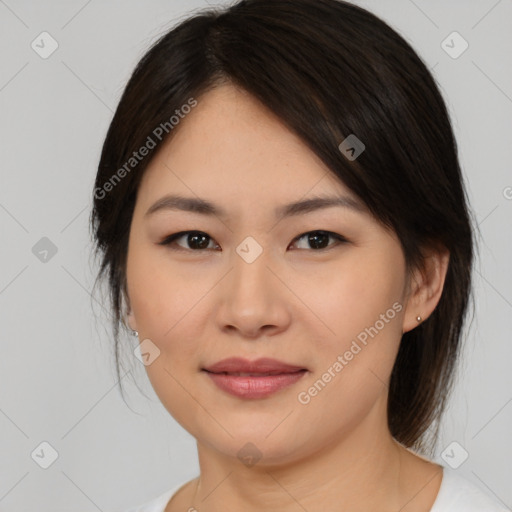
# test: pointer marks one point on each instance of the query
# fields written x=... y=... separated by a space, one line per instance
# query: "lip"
x=251 y=387
x=262 y=365
x=267 y=376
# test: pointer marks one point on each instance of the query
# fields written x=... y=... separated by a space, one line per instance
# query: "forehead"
x=232 y=149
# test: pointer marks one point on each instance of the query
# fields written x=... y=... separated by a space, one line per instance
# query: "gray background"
x=57 y=375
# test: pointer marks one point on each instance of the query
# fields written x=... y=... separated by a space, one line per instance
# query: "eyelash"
x=170 y=240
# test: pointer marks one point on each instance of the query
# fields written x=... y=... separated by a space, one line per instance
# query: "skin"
x=295 y=303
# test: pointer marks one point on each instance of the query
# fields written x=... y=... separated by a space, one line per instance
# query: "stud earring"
x=133 y=333
x=418 y=318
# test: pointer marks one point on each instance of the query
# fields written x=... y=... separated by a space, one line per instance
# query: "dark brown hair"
x=327 y=69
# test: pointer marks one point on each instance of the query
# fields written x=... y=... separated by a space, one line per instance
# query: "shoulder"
x=458 y=494
x=157 y=504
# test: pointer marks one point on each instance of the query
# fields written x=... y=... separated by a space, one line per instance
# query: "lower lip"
x=254 y=387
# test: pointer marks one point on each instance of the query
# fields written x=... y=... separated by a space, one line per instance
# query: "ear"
x=425 y=287
x=130 y=320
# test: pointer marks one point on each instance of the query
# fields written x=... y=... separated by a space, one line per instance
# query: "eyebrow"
x=204 y=207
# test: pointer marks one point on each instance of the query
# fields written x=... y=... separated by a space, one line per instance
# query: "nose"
x=252 y=300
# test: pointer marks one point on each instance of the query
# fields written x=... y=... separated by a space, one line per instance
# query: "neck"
x=362 y=469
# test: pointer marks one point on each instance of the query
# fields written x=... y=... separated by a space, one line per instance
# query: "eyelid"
x=339 y=238
x=170 y=239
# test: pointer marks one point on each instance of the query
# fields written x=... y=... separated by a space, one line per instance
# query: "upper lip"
x=262 y=365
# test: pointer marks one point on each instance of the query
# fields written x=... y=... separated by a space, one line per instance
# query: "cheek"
x=351 y=294
x=168 y=309
x=166 y=303
x=359 y=302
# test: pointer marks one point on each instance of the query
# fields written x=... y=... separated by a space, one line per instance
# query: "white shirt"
x=456 y=494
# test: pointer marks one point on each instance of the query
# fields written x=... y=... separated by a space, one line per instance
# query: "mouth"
x=254 y=385
x=246 y=368
x=255 y=374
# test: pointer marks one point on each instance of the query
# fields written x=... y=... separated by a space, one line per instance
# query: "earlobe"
x=426 y=288
x=130 y=320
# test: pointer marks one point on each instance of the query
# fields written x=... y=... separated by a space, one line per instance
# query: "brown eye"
x=198 y=241
x=194 y=240
x=319 y=240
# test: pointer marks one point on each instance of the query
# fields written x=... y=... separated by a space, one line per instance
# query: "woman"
x=281 y=215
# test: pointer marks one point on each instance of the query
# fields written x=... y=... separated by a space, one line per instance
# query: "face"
x=322 y=289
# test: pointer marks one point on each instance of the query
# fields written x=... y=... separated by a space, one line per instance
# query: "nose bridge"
x=251 y=299
x=250 y=261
